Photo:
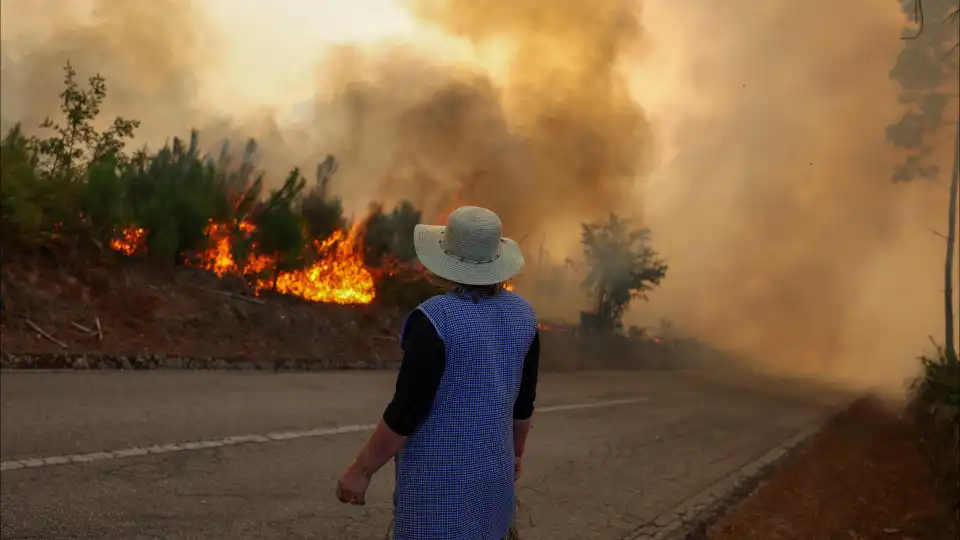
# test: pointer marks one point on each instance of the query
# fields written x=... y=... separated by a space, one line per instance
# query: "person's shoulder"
x=436 y=308
x=434 y=302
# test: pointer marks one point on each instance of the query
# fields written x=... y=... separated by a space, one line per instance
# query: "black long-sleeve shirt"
x=422 y=368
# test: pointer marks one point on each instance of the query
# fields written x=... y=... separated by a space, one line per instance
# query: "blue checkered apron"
x=455 y=473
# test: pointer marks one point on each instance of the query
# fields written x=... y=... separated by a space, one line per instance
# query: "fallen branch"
x=82 y=328
x=43 y=334
x=234 y=296
x=99 y=329
x=388 y=338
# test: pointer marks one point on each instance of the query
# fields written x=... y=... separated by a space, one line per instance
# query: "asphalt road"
x=609 y=452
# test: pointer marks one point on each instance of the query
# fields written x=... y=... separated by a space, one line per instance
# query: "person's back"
x=463 y=453
x=458 y=421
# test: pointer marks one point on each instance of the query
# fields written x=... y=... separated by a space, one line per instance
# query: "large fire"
x=337 y=276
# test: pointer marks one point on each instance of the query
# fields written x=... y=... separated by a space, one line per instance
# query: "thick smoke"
x=558 y=136
x=151 y=55
x=787 y=238
x=555 y=139
x=767 y=190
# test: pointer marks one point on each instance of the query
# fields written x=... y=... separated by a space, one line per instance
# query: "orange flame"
x=130 y=241
x=338 y=276
x=218 y=258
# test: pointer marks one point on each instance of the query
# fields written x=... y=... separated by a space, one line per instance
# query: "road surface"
x=219 y=455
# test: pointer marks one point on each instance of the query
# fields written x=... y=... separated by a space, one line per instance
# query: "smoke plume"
x=748 y=135
x=786 y=236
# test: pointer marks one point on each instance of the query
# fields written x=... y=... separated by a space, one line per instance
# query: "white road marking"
x=33 y=463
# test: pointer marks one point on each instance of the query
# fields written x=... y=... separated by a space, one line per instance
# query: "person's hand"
x=352 y=487
x=517 y=468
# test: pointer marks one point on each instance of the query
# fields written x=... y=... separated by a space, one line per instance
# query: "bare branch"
x=953 y=16
x=45 y=335
x=917 y=16
x=82 y=328
x=233 y=296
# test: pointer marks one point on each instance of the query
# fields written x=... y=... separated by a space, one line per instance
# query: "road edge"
x=95 y=361
x=691 y=519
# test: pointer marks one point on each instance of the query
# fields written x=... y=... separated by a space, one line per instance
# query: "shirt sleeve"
x=420 y=372
x=523 y=407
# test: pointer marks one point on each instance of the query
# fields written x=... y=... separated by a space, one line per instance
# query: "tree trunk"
x=951 y=247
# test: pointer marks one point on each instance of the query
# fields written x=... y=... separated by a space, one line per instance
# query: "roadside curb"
x=71 y=362
x=691 y=519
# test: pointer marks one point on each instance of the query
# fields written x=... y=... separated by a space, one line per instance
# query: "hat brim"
x=427 y=242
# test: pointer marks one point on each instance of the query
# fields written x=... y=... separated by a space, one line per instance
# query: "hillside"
x=129 y=309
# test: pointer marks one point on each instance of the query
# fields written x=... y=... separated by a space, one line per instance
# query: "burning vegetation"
x=337 y=275
x=179 y=206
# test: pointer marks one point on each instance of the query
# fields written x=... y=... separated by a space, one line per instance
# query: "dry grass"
x=862 y=478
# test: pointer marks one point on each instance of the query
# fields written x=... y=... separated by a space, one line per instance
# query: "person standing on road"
x=458 y=422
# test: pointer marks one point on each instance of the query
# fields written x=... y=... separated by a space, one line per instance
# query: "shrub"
x=76 y=187
x=390 y=235
x=937 y=412
x=323 y=215
x=280 y=230
x=939 y=386
x=404 y=287
x=174 y=197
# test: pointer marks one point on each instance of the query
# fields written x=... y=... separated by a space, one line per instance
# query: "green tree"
x=622 y=267
x=390 y=235
x=29 y=205
x=280 y=230
x=77 y=143
x=926 y=70
x=405 y=217
x=323 y=215
x=65 y=187
x=377 y=236
x=174 y=195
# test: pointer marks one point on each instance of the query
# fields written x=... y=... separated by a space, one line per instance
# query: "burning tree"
x=622 y=267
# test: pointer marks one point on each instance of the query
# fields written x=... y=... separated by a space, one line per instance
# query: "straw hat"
x=470 y=249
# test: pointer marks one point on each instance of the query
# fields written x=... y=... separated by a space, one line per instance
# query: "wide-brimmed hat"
x=470 y=249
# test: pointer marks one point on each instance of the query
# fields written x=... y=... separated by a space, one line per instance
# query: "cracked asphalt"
x=590 y=473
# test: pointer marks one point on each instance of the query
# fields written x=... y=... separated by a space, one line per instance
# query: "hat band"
x=464 y=259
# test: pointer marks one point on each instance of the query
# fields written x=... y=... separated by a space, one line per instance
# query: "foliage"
x=323 y=215
x=390 y=234
x=76 y=186
x=937 y=398
x=939 y=386
x=280 y=230
x=77 y=144
x=622 y=267
x=58 y=190
x=174 y=195
x=926 y=70
x=32 y=206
